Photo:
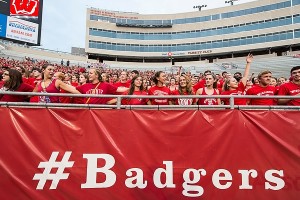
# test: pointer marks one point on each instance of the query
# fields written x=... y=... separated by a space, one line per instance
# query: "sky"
x=64 y=21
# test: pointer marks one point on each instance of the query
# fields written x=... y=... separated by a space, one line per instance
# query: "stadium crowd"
x=41 y=76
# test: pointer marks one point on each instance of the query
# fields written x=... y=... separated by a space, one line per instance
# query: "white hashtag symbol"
x=48 y=166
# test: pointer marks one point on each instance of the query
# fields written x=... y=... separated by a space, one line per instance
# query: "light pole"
x=231 y=2
x=200 y=7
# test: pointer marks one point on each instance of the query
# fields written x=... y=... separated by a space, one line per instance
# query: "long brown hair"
x=225 y=85
x=15 y=80
x=189 y=88
x=132 y=86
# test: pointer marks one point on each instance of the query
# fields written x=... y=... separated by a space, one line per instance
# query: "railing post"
x=231 y=101
x=119 y=102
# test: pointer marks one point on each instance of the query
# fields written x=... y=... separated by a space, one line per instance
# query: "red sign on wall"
x=28 y=8
x=146 y=154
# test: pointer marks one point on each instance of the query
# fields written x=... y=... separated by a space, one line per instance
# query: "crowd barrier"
x=119 y=98
x=53 y=153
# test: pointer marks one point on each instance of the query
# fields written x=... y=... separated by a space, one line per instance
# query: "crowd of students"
x=44 y=77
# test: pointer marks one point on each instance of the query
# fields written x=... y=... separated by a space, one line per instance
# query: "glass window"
x=224 y=15
x=215 y=17
x=249 y=40
x=275 y=37
x=262 y=38
x=208 y=18
x=242 y=41
x=297 y=33
x=282 y=36
x=297 y=19
x=289 y=35
x=190 y=20
x=255 y=39
x=122 y=47
x=225 y=43
x=93 y=45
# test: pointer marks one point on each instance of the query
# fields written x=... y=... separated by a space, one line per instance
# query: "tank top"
x=49 y=89
x=208 y=101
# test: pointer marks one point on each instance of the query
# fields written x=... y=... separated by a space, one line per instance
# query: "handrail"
x=120 y=97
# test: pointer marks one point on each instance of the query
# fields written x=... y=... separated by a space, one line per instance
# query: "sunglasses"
x=6 y=74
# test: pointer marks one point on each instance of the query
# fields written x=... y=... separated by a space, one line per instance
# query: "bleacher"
x=19 y=52
x=278 y=65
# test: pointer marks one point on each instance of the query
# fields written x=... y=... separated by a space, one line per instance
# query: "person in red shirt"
x=12 y=81
x=115 y=78
x=136 y=88
x=74 y=81
x=173 y=85
x=123 y=81
x=291 y=88
x=105 y=77
x=159 y=90
x=209 y=89
x=83 y=79
x=263 y=89
x=281 y=81
x=37 y=75
x=201 y=83
x=133 y=74
x=25 y=76
x=184 y=88
x=233 y=87
x=98 y=87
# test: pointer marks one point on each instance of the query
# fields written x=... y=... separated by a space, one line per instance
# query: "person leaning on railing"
x=12 y=81
x=291 y=88
x=136 y=88
x=50 y=85
x=83 y=79
x=184 y=88
x=98 y=87
x=209 y=90
x=263 y=89
x=159 y=90
x=233 y=86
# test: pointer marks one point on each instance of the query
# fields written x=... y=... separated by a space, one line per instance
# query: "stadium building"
x=262 y=27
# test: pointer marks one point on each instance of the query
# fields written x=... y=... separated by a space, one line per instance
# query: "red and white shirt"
x=159 y=91
x=261 y=91
x=291 y=89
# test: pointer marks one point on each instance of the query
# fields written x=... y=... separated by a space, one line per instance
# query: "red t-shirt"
x=16 y=98
x=183 y=101
x=74 y=84
x=291 y=89
x=200 y=84
x=261 y=91
x=35 y=99
x=159 y=91
x=135 y=101
x=29 y=81
x=239 y=91
x=119 y=84
x=103 y=88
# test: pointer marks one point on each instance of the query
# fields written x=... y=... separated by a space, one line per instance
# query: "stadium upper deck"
x=261 y=27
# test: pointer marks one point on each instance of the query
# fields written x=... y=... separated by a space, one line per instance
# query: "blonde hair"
x=263 y=73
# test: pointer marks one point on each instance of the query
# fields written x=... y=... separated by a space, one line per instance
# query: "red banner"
x=146 y=154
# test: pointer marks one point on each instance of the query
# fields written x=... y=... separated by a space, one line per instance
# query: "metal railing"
x=119 y=98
